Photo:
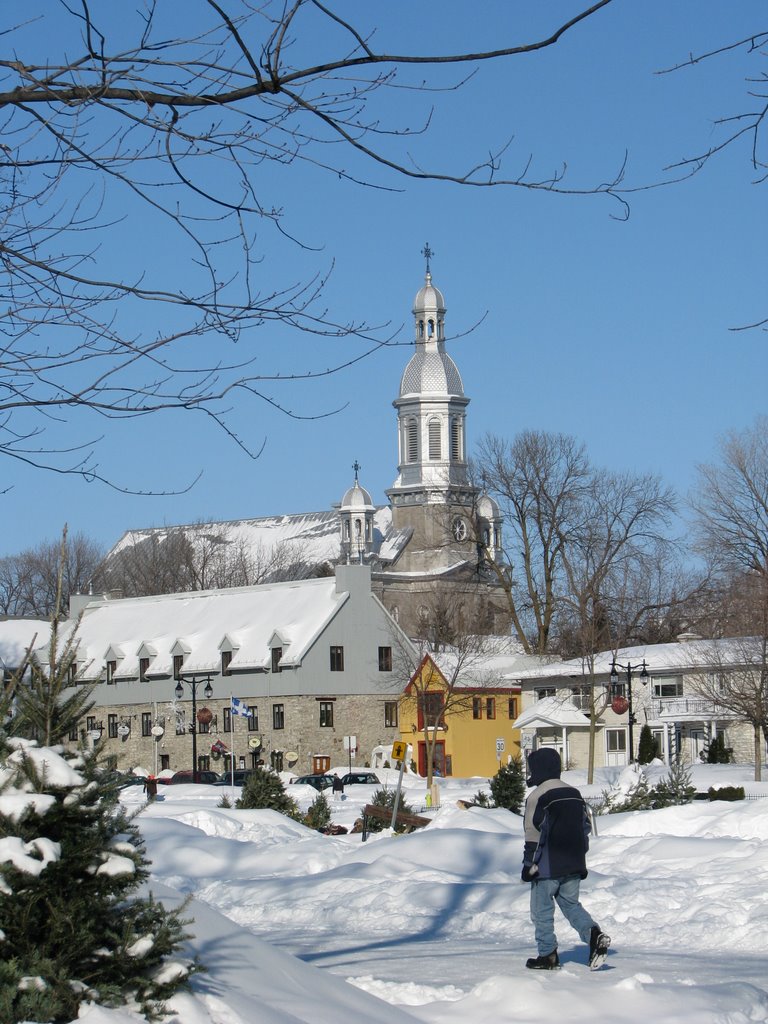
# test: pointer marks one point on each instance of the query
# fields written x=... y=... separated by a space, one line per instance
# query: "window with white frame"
x=545 y=691
x=616 y=741
x=667 y=687
x=581 y=697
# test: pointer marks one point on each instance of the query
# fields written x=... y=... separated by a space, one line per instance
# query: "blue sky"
x=614 y=331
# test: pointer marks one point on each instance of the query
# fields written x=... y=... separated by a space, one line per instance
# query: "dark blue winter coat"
x=557 y=823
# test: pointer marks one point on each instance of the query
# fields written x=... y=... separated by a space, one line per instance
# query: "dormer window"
x=143 y=669
x=111 y=669
x=226 y=658
x=178 y=662
x=277 y=654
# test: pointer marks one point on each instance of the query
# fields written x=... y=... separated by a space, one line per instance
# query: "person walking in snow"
x=557 y=828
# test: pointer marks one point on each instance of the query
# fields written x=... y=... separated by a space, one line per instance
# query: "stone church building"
x=427 y=548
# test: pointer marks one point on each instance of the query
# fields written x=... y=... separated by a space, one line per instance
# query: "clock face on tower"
x=459 y=528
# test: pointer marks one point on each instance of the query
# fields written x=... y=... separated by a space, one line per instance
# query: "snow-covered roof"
x=486 y=665
x=312 y=538
x=551 y=711
x=16 y=635
x=199 y=623
x=685 y=655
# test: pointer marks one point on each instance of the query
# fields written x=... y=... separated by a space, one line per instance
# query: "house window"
x=203 y=726
x=90 y=723
x=477 y=707
x=326 y=714
x=431 y=707
x=390 y=714
x=581 y=697
x=226 y=658
x=667 y=687
x=178 y=661
x=411 y=441
x=112 y=726
x=615 y=741
x=227 y=719
x=72 y=675
x=337 y=659
x=181 y=723
x=512 y=709
x=490 y=707
x=385 y=659
x=545 y=691
x=111 y=669
x=73 y=733
x=165 y=762
x=456 y=445
x=253 y=718
x=434 y=440
x=143 y=668
x=277 y=653
x=146 y=723
x=278 y=716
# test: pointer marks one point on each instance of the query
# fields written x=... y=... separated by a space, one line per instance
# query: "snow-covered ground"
x=294 y=926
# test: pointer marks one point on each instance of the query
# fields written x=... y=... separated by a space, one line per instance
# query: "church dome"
x=431 y=372
x=429 y=297
x=357 y=499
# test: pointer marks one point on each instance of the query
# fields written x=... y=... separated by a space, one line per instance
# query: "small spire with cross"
x=357 y=467
x=427 y=253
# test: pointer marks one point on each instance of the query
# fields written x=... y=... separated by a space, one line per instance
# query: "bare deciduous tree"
x=30 y=581
x=112 y=117
x=200 y=556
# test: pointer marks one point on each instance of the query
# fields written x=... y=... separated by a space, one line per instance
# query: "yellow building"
x=461 y=714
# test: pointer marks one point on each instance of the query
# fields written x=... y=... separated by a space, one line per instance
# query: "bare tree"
x=731 y=508
x=200 y=556
x=538 y=481
x=30 y=581
x=112 y=118
x=739 y=126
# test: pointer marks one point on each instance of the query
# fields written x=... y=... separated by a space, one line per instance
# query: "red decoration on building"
x=205 y=716
x=620 y=705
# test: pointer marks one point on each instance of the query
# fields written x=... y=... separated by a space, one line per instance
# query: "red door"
x=438 y=757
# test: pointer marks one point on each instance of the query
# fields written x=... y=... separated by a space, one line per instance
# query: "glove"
x=530 y=872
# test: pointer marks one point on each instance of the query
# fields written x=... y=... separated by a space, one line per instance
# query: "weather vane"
x=427 y=253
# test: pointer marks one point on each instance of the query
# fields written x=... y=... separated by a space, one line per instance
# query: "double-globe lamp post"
x=629 y=669
x=192 y=681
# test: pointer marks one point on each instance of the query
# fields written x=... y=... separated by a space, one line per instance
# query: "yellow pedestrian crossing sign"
x=399 y=750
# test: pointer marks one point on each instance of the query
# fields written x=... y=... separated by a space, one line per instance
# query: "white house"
x=672 y=688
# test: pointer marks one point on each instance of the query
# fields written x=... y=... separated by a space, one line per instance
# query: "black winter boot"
x=598 y=948
x=550 y=962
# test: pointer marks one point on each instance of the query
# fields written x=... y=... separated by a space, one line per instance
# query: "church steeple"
x=431 y=404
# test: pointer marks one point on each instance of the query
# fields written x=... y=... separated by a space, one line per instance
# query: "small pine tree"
x=386 y=798
x=508 y=786
x=676 y=789
x=319 y=814
x=67 y=896
x=648 y=748
x=73 y=928
x=264 y=790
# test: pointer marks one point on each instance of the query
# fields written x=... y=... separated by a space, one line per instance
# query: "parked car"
x=204 y=778
x=360 y=779
x=241 y=777
x=320 y=782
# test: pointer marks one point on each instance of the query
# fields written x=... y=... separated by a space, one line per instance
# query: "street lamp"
x=629 y=669
x=193 y=680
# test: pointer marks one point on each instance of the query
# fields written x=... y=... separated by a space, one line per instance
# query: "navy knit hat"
x=543 y=764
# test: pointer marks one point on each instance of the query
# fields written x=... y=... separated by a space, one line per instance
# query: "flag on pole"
x=239 y=707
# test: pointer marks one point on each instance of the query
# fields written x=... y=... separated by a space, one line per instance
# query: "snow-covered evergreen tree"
x=72 y=927
x=508 y=786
